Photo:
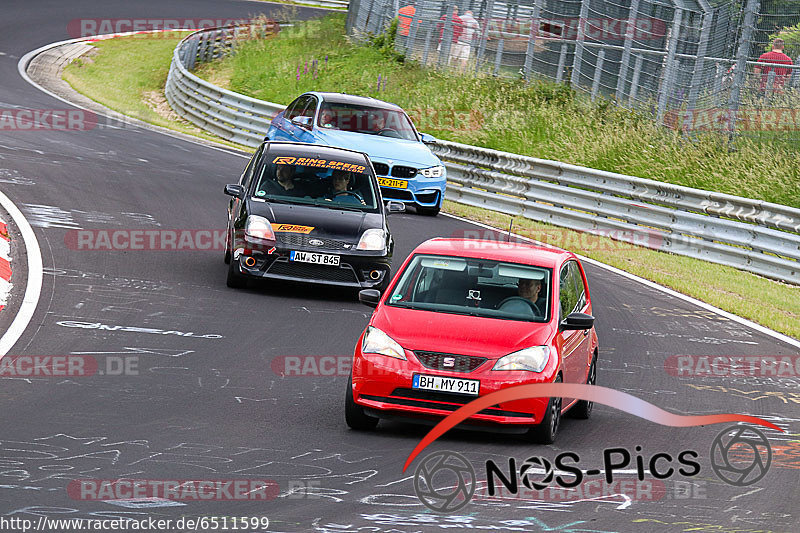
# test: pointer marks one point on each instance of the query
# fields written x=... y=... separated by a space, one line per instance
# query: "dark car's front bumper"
x=364 y=270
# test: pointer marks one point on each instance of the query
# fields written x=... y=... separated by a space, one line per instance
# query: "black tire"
x=235 y=279
x=583 y=409
x=354 y=414
x=545 y=432
x=428 y=211
x=228 y=252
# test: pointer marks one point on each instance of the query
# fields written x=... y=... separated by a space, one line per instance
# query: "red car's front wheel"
x=354 y=414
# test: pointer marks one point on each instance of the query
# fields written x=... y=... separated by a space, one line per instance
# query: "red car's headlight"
x=376 y=341
x=532 y=359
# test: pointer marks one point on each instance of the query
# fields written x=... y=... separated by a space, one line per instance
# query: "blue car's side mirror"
x=428 y=139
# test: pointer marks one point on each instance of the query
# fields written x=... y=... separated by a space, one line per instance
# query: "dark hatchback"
x=310 y=213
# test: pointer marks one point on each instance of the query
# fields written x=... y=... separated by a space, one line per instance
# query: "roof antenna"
x=510 y=225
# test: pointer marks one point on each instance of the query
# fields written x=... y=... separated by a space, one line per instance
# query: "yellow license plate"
x=395 y=184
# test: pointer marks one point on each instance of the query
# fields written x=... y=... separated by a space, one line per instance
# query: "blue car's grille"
x=381 y=169
x=403 y=172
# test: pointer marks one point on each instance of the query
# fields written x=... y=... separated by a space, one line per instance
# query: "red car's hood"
x=459 y=334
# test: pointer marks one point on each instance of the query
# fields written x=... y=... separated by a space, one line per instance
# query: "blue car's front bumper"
x=425 y=192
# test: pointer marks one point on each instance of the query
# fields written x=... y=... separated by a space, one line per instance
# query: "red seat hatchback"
x=464 y=318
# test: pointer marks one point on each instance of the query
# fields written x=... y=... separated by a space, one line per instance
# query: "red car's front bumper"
x=383 y=385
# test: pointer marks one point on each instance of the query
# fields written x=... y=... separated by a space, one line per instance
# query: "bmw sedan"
x=407 y=170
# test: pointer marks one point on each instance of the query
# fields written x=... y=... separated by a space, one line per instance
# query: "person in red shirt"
x=458 y=30
x=776 y=55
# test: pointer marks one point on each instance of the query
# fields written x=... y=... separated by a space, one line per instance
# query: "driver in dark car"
x=340 y=181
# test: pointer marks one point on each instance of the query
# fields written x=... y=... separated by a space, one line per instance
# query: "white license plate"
x=318 y=259
x=445 y=384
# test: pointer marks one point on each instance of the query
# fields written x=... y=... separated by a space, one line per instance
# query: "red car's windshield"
x=476 y=287
x=364 y=119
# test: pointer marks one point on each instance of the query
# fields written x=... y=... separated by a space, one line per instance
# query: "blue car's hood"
x=382 y=148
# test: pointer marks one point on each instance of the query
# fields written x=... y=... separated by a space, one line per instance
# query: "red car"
x=464 y=318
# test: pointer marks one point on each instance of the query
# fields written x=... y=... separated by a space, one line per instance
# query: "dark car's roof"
x=342 y=98
x=319 y=151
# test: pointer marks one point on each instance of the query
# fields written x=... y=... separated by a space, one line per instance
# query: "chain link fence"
x=694 y=65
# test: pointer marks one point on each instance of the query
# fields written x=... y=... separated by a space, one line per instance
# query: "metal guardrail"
x=751 y=235
x=336 y=4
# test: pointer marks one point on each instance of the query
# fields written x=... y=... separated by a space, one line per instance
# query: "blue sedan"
x=407 y=170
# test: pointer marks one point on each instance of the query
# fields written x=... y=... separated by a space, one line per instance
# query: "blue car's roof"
x=342 y=98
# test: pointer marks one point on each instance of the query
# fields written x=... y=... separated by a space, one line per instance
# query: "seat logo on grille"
x=315 y=242
x=449 y=362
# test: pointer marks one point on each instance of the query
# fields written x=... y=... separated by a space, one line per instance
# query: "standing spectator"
x=464 y=44
x=405 y=15
x=458 y=30
x=776 y=55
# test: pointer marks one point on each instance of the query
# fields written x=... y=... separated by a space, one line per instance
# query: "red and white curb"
x=5 y=264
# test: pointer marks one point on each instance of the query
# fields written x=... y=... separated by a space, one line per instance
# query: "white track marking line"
x=34 y=284
x=708 y=307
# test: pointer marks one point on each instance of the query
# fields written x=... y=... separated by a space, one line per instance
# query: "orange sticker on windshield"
x=292 y=228
x=319 y=163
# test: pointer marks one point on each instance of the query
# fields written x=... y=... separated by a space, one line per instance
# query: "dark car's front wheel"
x=545 y=432
x=354 y=414
x=235 y=279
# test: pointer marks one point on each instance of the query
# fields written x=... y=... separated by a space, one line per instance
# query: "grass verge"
x=127 y=74
x=540 y=119
x=111 y=79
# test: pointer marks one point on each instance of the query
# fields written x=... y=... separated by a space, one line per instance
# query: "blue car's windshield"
x=365 y=119
x=335 y=184
x=477 y=287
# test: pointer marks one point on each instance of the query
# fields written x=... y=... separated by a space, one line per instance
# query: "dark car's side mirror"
x=234 y=189
x=303 y=122
x=428 y=139
x=395 y=207
x=369 y=297
x=577 y=321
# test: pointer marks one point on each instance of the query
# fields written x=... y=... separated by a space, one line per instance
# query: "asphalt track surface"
x=213 y=408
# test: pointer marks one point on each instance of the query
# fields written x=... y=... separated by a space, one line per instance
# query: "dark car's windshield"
x=366 y=119
x=477 y=287
x=314 y=181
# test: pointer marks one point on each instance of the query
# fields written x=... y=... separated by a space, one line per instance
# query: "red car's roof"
x=513 y=252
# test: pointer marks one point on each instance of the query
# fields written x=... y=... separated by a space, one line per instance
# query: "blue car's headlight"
x=432 y=172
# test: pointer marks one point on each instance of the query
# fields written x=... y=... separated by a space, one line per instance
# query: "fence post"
x=740 y=75
x=699 y=64
x=598 y=71
x=532 y=38
x=412 y=30
x=484 y=35
x=498 y=56
x=427 y=48
x=669 y=67
x=576 y=62
x=630 y=32
x=796 y=74
x=637 y=71
x=447 y=37
x=562 y=58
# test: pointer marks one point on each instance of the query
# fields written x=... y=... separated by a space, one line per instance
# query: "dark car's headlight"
x=532 y=359
x=432 y=172
x=372 y=239
x=376 y=341
x=258 y=229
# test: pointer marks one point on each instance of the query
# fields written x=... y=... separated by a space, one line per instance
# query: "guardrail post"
x=630 y=33
x=598 y=71
x=532 y=38
x=498 y=56
x=670 y=67
x=637 y=71
x=576 y=62
x=740 y=75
